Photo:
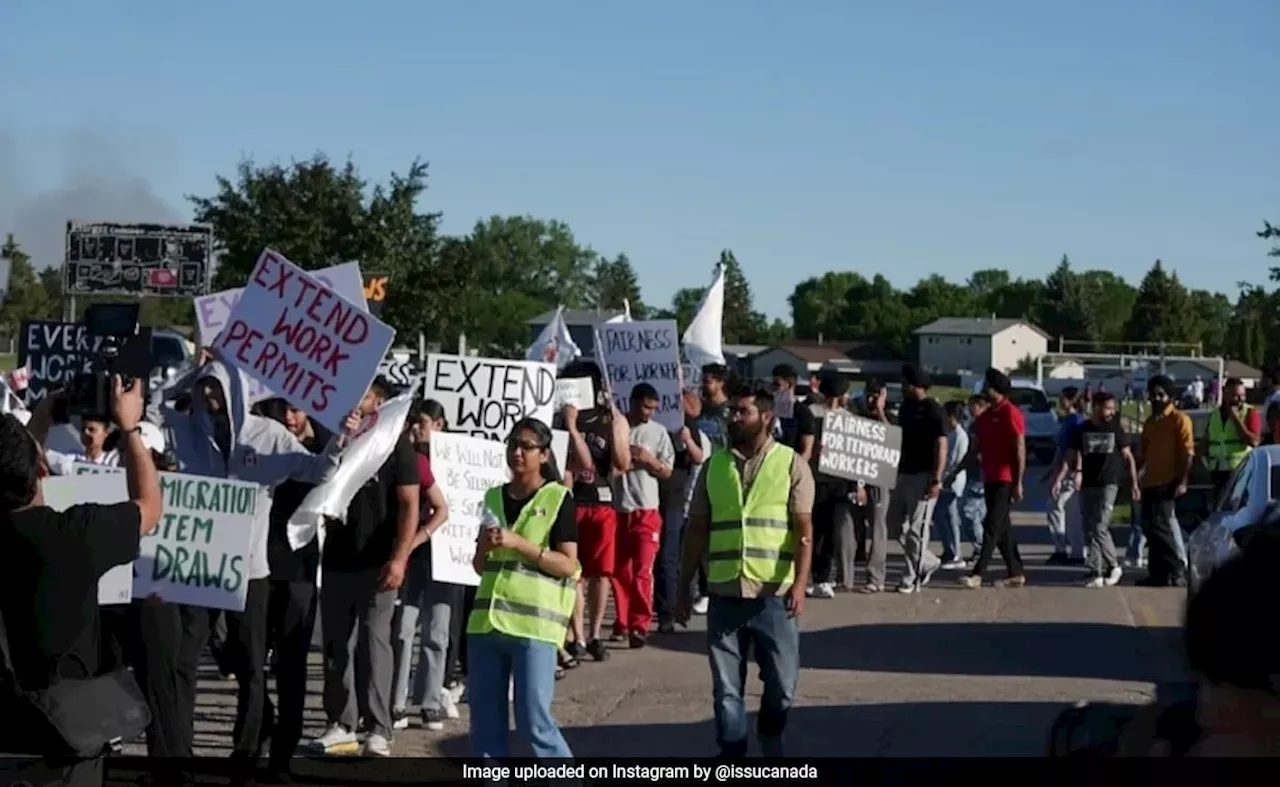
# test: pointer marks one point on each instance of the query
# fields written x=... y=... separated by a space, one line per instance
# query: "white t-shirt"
x=63 y=464
x=638 y=490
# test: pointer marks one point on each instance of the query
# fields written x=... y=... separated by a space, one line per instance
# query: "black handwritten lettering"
x=631 y=340
x=488 y=396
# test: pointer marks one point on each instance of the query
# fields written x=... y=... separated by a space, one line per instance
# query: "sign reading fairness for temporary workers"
x=860 y=449
x=467 y=467
x=485 y=397
x=301 y=339
x=645 y=352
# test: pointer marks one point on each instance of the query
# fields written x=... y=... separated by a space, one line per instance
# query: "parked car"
x=1247 y=503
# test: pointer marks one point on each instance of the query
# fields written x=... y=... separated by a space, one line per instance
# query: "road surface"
x=950 y=671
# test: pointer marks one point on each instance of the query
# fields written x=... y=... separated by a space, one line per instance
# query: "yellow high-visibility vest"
x=1227 y=447
x=751 y=539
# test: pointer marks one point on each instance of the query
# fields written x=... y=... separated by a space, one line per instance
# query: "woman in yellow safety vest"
x=527 y=559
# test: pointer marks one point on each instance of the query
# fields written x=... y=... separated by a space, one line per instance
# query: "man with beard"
x=219 y=438
x=751 y=513
x=1167 y=448
x=920 y=469
x=1232 y=432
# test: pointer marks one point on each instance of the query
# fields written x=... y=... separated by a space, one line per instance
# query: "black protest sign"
x=54 y=353
x=860 y=449
x=485 y=397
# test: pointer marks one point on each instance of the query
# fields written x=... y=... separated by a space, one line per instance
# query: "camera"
x=117 y=345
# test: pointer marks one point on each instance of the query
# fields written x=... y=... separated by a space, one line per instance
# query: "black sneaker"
x=666 y=627
x=1058 y=559
x=433 y=719
x=399 y=719
x=597 y=650
x=577 y=650
x=636 y=641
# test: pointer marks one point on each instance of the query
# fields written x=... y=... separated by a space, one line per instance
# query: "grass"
x=8 y=361
x=946 y=393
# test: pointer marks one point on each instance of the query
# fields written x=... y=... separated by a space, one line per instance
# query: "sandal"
x=567 y=661
x=559 y=673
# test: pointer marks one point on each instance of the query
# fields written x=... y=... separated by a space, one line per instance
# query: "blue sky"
x=905 y=138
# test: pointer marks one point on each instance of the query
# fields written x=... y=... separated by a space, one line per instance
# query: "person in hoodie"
x=219 y=438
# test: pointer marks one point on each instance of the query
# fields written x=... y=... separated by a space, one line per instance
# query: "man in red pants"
x=639 y=502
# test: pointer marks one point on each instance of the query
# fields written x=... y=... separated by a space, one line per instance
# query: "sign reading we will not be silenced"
x=644 y=352
x=466 y=468
x=860 y=449
x=214 y=310
x=197 y=555
x=485 y=397
x=316 y=349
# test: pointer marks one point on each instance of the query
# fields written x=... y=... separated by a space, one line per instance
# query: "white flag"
x=555 y=344
x=704 y=338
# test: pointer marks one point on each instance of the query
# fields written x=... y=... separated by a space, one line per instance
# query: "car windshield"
x=1031 y=398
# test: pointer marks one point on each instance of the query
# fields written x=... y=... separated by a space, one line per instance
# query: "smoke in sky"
x=84 y=176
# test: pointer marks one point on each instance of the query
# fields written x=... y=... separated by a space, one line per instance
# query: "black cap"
x=914 y=376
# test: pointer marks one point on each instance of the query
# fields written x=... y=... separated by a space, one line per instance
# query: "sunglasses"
x=526 y=445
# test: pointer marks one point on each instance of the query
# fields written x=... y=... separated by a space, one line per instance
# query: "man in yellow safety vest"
x=1232 y=432
x=751 y=517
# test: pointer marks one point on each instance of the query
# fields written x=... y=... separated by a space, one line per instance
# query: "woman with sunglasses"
x=527 y=558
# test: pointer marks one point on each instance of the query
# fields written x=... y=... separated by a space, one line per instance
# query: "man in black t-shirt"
x=364 y=560
x=1100 y=456
x=920 y=469
x=797 y=424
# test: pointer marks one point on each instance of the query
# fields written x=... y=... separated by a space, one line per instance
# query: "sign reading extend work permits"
x=860 y=449
x=301 y=339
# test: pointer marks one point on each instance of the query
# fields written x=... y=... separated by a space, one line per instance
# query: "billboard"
x=106 y=258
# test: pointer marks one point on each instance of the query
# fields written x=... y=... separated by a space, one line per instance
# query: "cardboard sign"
x=576 y=392
x=860 y=449
x=213 y=310
x=466 y=468
x=53 y=353
x=375 y=292
x=645 y=352
x=88 y=468
x=63 y=492
x=314 y=348
x=485 y=397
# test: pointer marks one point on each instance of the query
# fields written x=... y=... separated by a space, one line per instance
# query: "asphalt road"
x=949 y=671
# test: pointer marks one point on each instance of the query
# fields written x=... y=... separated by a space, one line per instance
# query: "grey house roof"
x=577 y=316
x=972 y=326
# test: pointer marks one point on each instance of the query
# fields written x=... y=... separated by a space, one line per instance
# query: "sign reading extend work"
x=485 y=397
x=860 y=449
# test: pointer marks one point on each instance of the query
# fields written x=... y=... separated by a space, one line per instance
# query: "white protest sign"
x=213 y=310
x=465 y=468
x=314 y=348
x=88 y=468
x=575 y=391
x=644 y=352
x=106 y=487
x=485 y=397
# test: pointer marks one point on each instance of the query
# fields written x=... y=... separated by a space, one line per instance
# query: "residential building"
x=860 y=360
x=1183 y=371
x=581 y=322
x=956 y=345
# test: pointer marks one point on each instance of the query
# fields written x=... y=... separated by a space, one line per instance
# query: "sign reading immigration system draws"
x=466 y=467
x=860 y=449
x=485 y=397
x=212 y=310
x=107 y=488
x=53 y=353
x=106 y=258
x=645 y=352
x=303 y=340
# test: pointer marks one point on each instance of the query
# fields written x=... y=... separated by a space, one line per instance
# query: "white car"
x=1037 y=413
x=1247 y=502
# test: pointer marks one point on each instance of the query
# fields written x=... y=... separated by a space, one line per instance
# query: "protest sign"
x=213 y=310
x=316 y=349
x=860 y=449
x=53 y=353
x=88 y=468
x=691 y=376
x=466 y=467
x=575 y=391
x=107 y=488
x=375 y=292
x=485 y=397
x=644 y=352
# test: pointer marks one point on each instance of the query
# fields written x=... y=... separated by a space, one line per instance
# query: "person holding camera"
x=50 y=564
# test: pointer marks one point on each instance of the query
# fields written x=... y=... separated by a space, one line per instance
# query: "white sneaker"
x=337 y=739
x=449 y=706
x=377 y=746
x=433 y=719
x=455 y=692
x=954 y=565
x=1112 y=579
x=1094 y=582
x=700 y=606
x=399 y=719
x=811 y=591
x=906 y=589
x=825 y=590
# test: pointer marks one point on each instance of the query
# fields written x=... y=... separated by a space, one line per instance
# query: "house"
x=954 y=345
x=1184 y=371
x=581 y=322
x=852 y=358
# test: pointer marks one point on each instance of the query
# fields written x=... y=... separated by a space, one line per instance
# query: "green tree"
x=26 y=298
x=875 y=310
x=1246 y=338
x=613 y=283
x=684 y=307
x=818 y=305
x=742 y=323
x=1109 y=299
x=1017 y=300
x=933 y=297
x=1064 y=309
x=1163 y=310
x=1271 y=232
x=1213 y=312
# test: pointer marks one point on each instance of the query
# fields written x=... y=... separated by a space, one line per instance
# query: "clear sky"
x=904 y=138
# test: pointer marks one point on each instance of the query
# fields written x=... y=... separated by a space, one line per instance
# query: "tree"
x=1163 y=310
x=1063 y=308
x=933 y=297
x=1271 y=232
x=1213 y=312
x=1246 y=338
x=742 y=323
x=874 y=310
x=26 y=298
x=818 y=305
x=684 y=307
x=1108 y=299
x=614 y=283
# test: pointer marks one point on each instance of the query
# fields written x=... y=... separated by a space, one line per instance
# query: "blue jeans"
x=666 y=571
x=734 y=627
x=1137 y=548
x=973 y=512
x=946 y=519
x=492 y=661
